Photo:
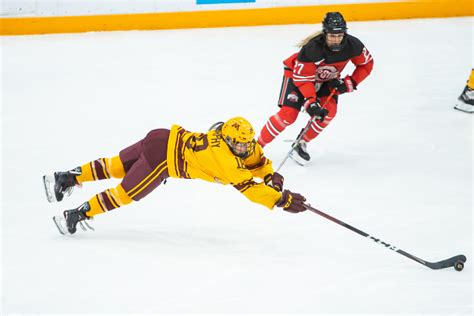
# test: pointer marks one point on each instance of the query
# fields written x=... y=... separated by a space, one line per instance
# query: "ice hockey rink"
x=396 y=163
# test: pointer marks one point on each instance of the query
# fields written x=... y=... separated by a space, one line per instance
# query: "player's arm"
x=304 y=77
x=258 y=164
x=363 y=63
x=363 y=66
x=259 y=193
x=269 y=197
x=304 y=70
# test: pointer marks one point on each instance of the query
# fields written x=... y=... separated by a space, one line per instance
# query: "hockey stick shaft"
x=433 y=265
x=304 y=130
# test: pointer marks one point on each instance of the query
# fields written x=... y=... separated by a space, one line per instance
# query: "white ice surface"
x=396 y=162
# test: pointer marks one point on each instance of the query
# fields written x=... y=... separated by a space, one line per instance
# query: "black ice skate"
x=465 y=101
x=60 y=184
x=67 y=223
x=300 y=154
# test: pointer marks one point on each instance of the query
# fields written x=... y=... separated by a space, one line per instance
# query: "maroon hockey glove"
x=292 y=202
x=274 y=180
x=313 y=108
x=343 y=85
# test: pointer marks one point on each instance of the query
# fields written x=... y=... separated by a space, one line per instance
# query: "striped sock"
x=108 y=200
x=271 y=130
x=102 y=168
x=316 y=128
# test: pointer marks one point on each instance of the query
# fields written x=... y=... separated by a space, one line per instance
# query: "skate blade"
x=465 y=110
x=60 y=223
x=296 y=158
x=85 y=226
x=48 y=182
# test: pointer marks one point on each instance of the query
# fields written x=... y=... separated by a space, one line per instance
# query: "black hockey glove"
x=274 y=180
x=343 y=85
x=313 y=108
x=292 y=202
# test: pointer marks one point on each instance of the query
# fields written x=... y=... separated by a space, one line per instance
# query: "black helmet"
x=334 y=23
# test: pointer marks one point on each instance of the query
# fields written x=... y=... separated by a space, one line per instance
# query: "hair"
x=308 y=39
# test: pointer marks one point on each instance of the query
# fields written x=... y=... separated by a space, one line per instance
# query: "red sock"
x=277 y=124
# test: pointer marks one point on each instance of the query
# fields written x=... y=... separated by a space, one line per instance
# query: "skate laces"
x=469 y=94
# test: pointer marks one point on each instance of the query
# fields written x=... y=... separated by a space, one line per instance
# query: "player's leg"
x=290 y=103
x=318 y=126
x=302 y=155
x=63 y=182
x=143 y=176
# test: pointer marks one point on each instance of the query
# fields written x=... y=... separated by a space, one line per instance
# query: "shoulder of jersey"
x=356 y=45
x=218 y=144
x=313 y=51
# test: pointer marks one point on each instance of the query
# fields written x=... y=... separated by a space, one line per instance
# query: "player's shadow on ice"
x=218 y=241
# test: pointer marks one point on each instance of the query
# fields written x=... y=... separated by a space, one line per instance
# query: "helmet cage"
x=240 y=149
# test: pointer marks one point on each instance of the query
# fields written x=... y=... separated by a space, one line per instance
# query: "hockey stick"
x=457 y=261
x=303 y=131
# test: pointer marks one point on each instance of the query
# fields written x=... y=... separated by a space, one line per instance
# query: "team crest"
x=326 y=73
x=292 y=97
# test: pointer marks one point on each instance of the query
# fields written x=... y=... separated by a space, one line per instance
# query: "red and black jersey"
x=316 y=63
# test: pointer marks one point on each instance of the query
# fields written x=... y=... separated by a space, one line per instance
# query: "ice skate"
x=60 y=184
x=67 y=222
x=465 y=101
x=300 y=154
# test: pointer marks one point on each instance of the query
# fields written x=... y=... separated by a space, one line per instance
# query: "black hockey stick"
x=303 y=131
x=457 y=261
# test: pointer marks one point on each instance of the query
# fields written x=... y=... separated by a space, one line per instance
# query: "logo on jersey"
x=325 y=73
x=292 y=97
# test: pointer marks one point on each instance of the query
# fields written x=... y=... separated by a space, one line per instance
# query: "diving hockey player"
x=227 y=154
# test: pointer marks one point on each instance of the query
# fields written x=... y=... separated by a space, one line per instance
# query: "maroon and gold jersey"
x=316 y=63
x=206 y=156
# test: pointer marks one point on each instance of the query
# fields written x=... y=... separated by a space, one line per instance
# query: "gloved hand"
x=313 y=108
x=343 y=85
x=292 y=202
x=274 y=180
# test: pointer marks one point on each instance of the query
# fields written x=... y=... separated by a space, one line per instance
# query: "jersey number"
x=197 y=143
x=298 y=66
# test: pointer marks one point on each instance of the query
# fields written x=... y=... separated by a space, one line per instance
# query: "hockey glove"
x=313 y=108
x=292 y=202
x=274 y=180
x=343 y=85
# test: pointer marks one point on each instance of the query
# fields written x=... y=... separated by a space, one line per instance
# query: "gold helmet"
x=239 y=135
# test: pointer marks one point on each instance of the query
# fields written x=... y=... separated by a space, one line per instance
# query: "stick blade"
x=446 y=263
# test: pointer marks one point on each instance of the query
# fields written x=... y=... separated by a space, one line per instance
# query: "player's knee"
x=288 y=114
x=116 y=168
x=121 y=195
